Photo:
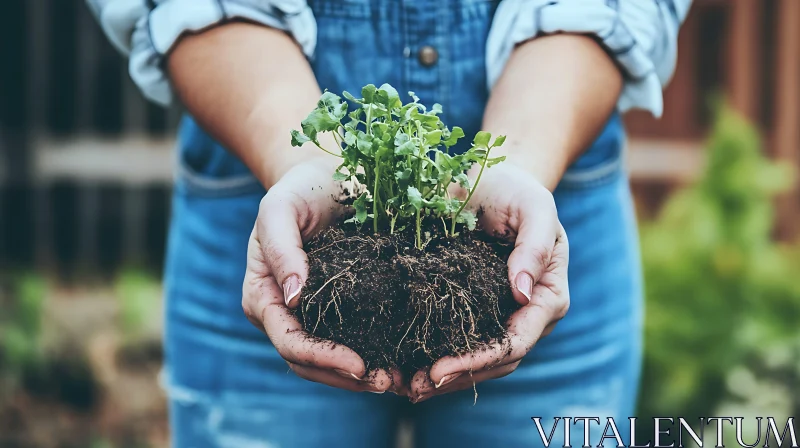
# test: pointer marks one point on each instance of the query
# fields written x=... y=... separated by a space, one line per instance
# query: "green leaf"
x=339 y=176
x=364 y=144
x=436 y=109
x=406 y=149
x=433 y=138
x=413 y=96
x=499 y=141
x=467 y=218
x=462 y=180
x=437 y=204
x=455 y=134
x=350 y=97
x=444 y=177
x=321 y=121
x=431 y=122
x=309 y=130
x=414 y=198
x=360 y=205
x=388 y=96
x=368 y=92
x=378 y=129
x=328 y=100
x=299 y=139
x=481 y=139
x=494 y=161
x=403 y=175
x=350 y=138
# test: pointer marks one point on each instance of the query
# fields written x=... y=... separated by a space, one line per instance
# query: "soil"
x=400 y=307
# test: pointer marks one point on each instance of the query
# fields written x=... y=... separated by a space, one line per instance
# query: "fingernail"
x=418 y=399
x=525 y=285
x=376 y=391
x=347 y=375
x=291 y=288
x=447 y=379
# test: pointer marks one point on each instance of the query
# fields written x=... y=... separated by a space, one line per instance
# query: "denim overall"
x=227 y=385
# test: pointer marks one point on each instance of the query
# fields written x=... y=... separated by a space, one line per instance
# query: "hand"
x=298 y=206
x=518 y=208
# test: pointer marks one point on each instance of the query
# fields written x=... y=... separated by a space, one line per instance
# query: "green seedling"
x=400 y=154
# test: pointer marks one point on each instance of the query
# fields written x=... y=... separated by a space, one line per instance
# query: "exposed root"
x=398 y=307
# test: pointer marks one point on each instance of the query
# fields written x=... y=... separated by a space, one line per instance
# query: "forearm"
x=552 y=101
x=248 y=86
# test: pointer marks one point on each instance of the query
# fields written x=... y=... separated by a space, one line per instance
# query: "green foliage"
x=721 y=295
x=138 y=294
x=20 y=325
x=394 y=150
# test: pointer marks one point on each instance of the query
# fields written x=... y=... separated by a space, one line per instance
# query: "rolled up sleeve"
x=641 y=35
x=146 y=31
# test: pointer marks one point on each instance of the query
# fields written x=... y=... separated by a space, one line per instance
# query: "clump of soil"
x=397 y=306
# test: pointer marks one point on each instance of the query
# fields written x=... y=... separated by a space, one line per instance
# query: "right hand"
x=297 y=207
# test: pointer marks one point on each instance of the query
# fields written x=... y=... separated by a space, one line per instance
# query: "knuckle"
x=541 y=255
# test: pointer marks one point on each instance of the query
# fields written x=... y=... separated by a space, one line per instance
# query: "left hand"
x=518 y=208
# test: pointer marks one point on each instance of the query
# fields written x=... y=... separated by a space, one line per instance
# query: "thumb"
x=533 y=249
x=282 y=246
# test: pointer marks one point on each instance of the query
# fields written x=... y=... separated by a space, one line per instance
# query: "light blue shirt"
x=640 y=34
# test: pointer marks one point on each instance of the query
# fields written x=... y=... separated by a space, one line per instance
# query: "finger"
x=255 y=275
x=282 y=244
x=378 y=382
x=399 y=386
x=299 y=347
x=445 y=370
x=550 y=298
x=264 y=306
x=533 y=247
x=467 y=381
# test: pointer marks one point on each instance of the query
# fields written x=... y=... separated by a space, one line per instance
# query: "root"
x=396 y=352
x=341 y=273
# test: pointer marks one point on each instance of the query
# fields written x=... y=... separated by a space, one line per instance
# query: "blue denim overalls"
x=227 y=385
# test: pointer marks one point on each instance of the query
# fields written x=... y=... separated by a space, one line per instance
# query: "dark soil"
x=397 y=306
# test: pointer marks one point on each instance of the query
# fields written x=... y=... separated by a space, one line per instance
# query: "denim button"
x=428 y=56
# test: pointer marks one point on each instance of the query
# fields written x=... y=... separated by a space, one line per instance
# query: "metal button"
x=428 y=56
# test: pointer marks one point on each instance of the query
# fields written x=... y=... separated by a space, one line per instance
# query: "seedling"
x=400 y=154
x=394 y=298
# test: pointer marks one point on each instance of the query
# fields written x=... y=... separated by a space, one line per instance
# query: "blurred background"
x=85 y=179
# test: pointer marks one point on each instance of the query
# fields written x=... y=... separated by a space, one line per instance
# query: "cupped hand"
x=517 y=208
x=302 y=203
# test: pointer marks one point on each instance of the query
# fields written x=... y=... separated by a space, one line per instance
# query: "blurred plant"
x=20 y=326
x=139 y=298
x=722 y=297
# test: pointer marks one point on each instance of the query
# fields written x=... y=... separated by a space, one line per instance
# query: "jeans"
x=227 y=385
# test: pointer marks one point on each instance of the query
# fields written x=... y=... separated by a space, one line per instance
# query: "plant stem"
x=471 y=190
x=338 y=137
x=329 y=152
x=419 y=237
x=375 y=197
x=419 y=183
x=369 y=120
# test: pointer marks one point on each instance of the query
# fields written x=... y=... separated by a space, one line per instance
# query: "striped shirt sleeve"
x=146 y=30
x=641 y=35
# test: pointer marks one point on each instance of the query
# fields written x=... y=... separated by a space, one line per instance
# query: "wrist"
x=271 y=154
x=546 y=163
